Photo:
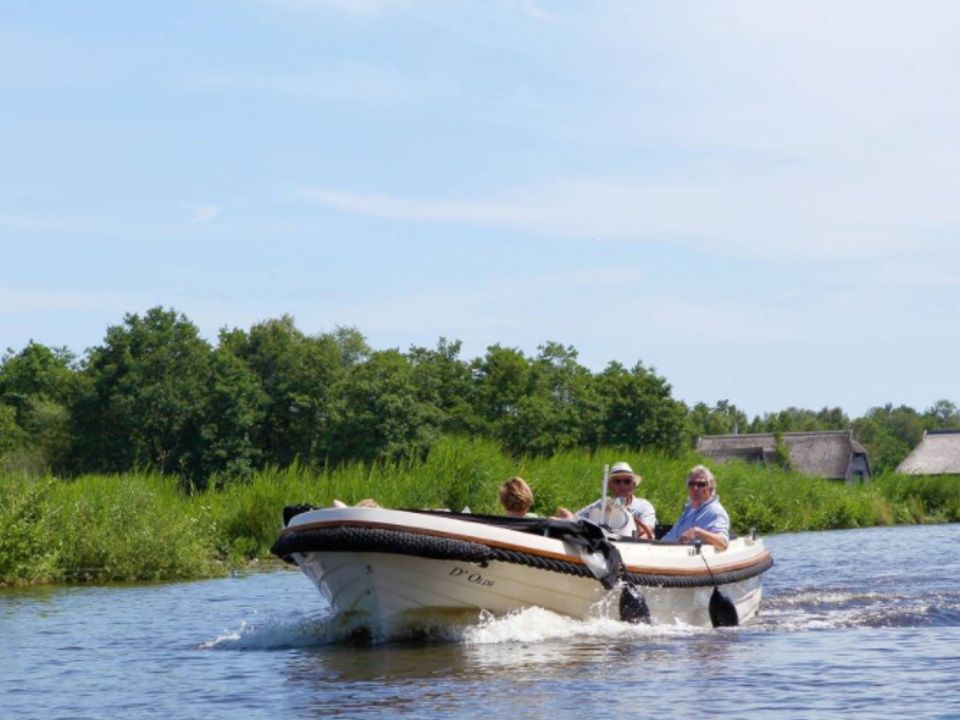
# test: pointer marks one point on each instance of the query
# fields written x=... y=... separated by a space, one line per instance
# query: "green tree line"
x=156 y=396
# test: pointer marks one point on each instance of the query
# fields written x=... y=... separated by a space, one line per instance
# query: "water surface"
x=859 y=622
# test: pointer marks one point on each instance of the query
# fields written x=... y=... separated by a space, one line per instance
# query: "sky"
x=756 y=198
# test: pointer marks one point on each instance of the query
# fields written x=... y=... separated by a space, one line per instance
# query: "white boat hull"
x=390 y=586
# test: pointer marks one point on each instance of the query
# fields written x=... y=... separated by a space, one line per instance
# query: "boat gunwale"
x=715 y=568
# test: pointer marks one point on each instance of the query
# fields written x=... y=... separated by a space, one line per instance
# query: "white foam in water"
x=530 y=625
x=809 y=609
x=809 y=597
x=538 y=625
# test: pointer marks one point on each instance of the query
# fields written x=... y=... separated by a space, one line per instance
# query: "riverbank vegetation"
x=144 y=526
x=159 y=455
x=156 y=396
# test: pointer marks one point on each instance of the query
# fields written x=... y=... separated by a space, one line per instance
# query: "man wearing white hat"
x=621 y=482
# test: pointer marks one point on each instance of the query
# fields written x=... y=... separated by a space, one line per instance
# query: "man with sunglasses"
x=621 y=482
x=703 y=517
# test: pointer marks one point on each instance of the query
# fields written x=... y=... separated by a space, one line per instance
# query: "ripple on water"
x=812 y=609
x=878 y=635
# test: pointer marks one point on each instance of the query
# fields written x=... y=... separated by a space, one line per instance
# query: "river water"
x=857 y=622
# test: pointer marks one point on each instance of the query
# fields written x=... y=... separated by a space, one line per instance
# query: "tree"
x=445 y=381
x=781 y=451
x=12 y=436
x=500 y=379
x=380 y=414
x=795 y=419
x=40 y=384
x=298 y=376
x=235 y=409
x=559 y=409
x=889 y=434
x=352 y=345
x=724 y=418
x=639 y=410
x=38 y=370
x=942 y=415
x=147 y=397
x=538 y=405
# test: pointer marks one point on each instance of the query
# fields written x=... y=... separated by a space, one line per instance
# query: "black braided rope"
x=399 y=542
x=536 y=561
x=674 y=581
x=394 y=542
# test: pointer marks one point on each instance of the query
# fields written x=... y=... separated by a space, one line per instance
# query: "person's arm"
x=718 y=540
x=646 y=514
x=644 y=531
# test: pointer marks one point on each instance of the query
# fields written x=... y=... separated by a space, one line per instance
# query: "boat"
x=389 y=566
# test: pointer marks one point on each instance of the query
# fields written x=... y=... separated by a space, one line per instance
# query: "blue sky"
x=757 y=198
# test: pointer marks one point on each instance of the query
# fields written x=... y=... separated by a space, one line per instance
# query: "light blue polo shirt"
x=710 y=516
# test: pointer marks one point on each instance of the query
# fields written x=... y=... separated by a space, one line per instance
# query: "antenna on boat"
x=604 y=512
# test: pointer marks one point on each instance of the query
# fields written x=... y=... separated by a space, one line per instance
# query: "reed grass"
x=138 y=527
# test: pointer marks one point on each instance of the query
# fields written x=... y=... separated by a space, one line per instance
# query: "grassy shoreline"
x=143 y=526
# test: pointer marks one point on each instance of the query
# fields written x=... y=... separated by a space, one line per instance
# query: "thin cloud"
x=32 y=222
x=904 y=273
x=353 y=7
x=754 y=217
x=342 y=83
x=20 y=302
x=67 y=223
x=408 y=209
x=532 y=10
x=203 y=214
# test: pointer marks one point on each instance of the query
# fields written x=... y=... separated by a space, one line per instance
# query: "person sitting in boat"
x=366 y=502
x=621 y=483
x=516 y=497
x=703 y=517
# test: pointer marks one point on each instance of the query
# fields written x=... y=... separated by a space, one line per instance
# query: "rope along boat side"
x=387 y=564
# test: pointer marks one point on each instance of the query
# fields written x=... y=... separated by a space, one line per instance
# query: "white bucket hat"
x=622 y=468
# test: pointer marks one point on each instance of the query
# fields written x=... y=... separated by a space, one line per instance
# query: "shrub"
x=28 y=550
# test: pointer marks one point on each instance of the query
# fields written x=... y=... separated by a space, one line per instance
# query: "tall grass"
x=145 y=527
x=103 y=528
x=28 y=551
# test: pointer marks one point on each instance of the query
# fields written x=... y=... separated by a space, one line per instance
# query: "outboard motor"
x=633 y=605
x=723 y=612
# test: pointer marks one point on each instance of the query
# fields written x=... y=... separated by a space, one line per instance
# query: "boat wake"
x=531 y=625
x=806 y=609
x=812 y=609
x=286 y=633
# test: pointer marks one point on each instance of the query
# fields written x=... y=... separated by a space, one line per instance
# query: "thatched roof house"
x=937 y=454
x=833 y=454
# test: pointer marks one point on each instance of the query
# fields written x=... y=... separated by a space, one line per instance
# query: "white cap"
x=622 y=468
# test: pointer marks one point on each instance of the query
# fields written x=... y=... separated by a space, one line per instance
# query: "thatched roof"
x=824 y=453
x=937 y=454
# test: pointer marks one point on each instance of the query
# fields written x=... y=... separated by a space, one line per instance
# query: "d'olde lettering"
x=471 y=577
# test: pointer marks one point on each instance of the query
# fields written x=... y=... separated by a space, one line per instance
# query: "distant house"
x=937 y=454
x=832 y=454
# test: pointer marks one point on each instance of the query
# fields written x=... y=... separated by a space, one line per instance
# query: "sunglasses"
x=621 y=481
x=697 y=484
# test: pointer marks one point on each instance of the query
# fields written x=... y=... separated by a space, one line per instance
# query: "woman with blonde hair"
x=516 y=497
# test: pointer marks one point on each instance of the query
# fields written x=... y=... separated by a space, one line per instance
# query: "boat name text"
x=474 y=577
